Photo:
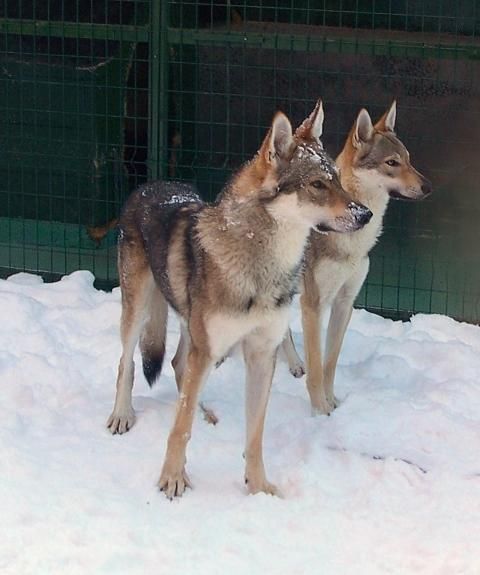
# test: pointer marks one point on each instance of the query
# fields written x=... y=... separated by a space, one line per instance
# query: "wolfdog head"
x=298 y=181
x=378 y=159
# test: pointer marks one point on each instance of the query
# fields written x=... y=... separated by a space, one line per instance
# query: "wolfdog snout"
x=426 y=187
x=361 y=214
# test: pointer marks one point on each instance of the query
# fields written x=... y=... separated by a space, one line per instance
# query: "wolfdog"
x=229 y=270
x=374 y=166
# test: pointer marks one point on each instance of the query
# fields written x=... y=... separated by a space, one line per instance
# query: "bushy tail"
x=152 y=339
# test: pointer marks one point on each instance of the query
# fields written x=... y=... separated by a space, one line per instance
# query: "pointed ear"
x=387 y=121
x=279 y=140
x=312 y=127
x=362 y=129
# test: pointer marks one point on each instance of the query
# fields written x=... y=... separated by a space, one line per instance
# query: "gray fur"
x=229 y=269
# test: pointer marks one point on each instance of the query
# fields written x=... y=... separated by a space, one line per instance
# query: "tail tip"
x=151 y=369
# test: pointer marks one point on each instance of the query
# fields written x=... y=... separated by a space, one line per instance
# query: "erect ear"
x=387 y=121
x=312 y=127
x=362 y=129
x=279 y=140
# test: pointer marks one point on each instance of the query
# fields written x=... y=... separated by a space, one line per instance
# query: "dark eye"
x=392 y=163
x=318 y=184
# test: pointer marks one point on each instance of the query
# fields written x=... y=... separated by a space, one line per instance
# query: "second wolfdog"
x=229 y=270
x=374 y=166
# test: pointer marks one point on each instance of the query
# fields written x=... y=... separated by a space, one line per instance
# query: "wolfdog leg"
x=173 y=479
x=135 y=297
x=337 y=325
x=340 y=315
x=259 y=354
x=312 y=321
x=289 y=353
x=180 y=357
x=178 y=363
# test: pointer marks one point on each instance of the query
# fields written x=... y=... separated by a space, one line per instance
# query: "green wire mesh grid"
x=73 y=130
x=232 y=64
x=95 y=97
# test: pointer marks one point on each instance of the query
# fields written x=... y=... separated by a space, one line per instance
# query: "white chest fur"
x=226 y=330
x=349 y=265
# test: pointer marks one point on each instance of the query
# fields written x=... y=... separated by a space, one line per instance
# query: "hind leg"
x=178 y=363
x=180 y=358
x=136 y=285
x=289 y=354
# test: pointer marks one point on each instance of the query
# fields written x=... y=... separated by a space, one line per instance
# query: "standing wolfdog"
x=374 y=166
x=229 y=270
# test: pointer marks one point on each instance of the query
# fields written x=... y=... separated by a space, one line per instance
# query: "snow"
x=319 y=155
x=390 y=483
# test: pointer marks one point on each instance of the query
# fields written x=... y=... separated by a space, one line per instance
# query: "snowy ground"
x=389 y=484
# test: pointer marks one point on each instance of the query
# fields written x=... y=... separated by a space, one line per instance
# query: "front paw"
x=333 y=401
x=174 y=483
x=261 y=485
x=121 y=421
x=322 y=407
x=297 y=369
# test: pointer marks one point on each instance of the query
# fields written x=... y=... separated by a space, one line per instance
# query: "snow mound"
x=390 y=483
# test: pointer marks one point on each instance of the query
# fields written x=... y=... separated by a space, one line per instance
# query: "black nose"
x=366 y=216
x=427 y=187
x=361 y=213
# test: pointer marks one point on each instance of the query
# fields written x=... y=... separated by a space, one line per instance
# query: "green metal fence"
x=73 y=129
x=97 y=96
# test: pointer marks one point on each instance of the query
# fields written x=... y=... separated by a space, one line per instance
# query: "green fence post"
x=158 y=88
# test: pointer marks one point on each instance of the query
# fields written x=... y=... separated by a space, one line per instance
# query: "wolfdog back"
x=162 y=213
